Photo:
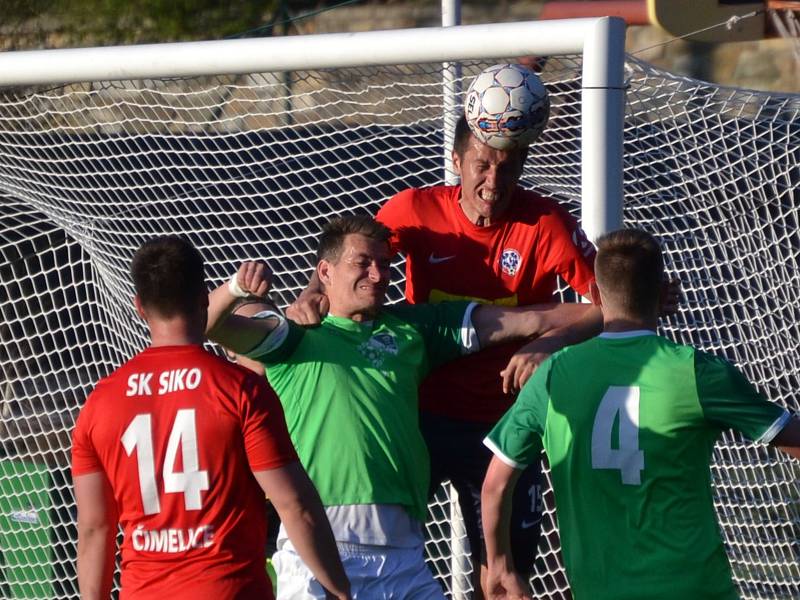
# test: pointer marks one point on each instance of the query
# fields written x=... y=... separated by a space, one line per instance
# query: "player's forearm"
x=496 y=324
x=251 y=280
x=239 y=334
x=96 y=548
x=314 y=286
x=296 y=499
x=310 y=532
x=570 y=332
x=496 y=495
x=221 y=303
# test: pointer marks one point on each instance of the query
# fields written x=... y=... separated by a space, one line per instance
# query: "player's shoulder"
x=423 y=199
x=426 y=318
x=531 y=203
x=224 y=369
x=403 y=312
x=118 y=377
x=410 y=315
x=708 y=362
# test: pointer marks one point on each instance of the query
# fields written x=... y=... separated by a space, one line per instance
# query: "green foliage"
x=127 y=21
x=102 y=22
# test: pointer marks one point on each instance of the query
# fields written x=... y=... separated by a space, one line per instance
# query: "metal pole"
x=451 y=91
x=460 y=559
x=603 y=108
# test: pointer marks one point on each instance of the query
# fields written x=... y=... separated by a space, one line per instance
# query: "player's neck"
x=617 y=324
x=476 y=218
x=358 y=316
x=175 y=332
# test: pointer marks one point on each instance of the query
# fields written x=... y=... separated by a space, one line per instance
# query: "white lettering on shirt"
x=171 y=540
x=139 y=384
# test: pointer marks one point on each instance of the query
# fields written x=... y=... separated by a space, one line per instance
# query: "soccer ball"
x=507 y=106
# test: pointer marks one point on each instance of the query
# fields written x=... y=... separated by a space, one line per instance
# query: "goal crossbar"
x=320 y=51
x=601 y=41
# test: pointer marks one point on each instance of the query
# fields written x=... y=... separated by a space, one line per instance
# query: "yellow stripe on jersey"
x=437 y=296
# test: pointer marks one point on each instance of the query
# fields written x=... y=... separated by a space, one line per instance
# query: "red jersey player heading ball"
x=179 y=446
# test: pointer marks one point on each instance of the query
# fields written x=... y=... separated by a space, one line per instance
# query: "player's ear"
x=137 y=304
x=324 y=272
x=456 y=163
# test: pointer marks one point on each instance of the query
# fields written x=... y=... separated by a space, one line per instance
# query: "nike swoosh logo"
x=435 y=260
x=528 y=524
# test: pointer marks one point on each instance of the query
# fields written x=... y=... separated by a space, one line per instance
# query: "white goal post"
x=246 y=147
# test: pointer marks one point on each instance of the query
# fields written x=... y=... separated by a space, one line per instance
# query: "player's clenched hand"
x=506 y=585
x=670 y=297
x=308 y=309
x=254 y=278
x=523 y=364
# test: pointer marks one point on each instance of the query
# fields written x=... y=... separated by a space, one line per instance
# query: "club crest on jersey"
x=377 y=347
x=510 y=262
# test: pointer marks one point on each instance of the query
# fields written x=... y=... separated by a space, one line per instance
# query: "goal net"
x=250 y=166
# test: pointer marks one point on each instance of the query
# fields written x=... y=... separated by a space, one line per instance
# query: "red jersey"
x=178 y=432
x=513 y=262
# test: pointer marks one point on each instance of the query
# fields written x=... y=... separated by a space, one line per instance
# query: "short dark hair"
x=463 y=134
x=168 y=276
x=333 y=233
x=461 y=137
x=630 y=270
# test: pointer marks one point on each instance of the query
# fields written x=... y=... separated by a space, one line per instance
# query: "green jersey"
x=349 y=391
x=628 y=422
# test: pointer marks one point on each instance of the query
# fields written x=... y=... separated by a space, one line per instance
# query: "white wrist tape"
x=235 y=289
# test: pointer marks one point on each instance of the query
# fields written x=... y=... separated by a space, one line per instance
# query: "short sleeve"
x=266 y=438
x=728 y=399
x=568 y=251
x=280 y=343
x=84 y=456
x=445 y=327
x=395 y=214
x=517 y=437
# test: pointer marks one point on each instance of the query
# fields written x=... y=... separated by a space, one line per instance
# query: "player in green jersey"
x=628 y=421
x=350 y=389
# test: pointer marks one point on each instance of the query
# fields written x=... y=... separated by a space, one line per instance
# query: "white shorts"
x=375 y=573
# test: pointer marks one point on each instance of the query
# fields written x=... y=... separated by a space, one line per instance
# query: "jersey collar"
x=348 y=324
x=619 y=335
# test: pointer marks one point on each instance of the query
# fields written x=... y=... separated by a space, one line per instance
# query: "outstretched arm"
x=97 y=530
x=498 y=324
x=239 y=334
x=523 y=364
x=498 y=487
x=294 y=497
x=249 y=309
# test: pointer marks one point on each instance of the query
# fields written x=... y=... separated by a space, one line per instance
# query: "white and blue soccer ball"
x=507 y=106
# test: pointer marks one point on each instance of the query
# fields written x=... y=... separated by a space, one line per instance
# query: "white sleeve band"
x=235 y=289
x=774 y=429
x=499 y=454
x=469 y=337
x=275 y=338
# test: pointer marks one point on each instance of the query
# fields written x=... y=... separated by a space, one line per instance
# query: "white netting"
x=250 y=166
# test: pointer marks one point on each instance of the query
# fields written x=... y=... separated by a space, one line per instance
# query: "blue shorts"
x=458 y=454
